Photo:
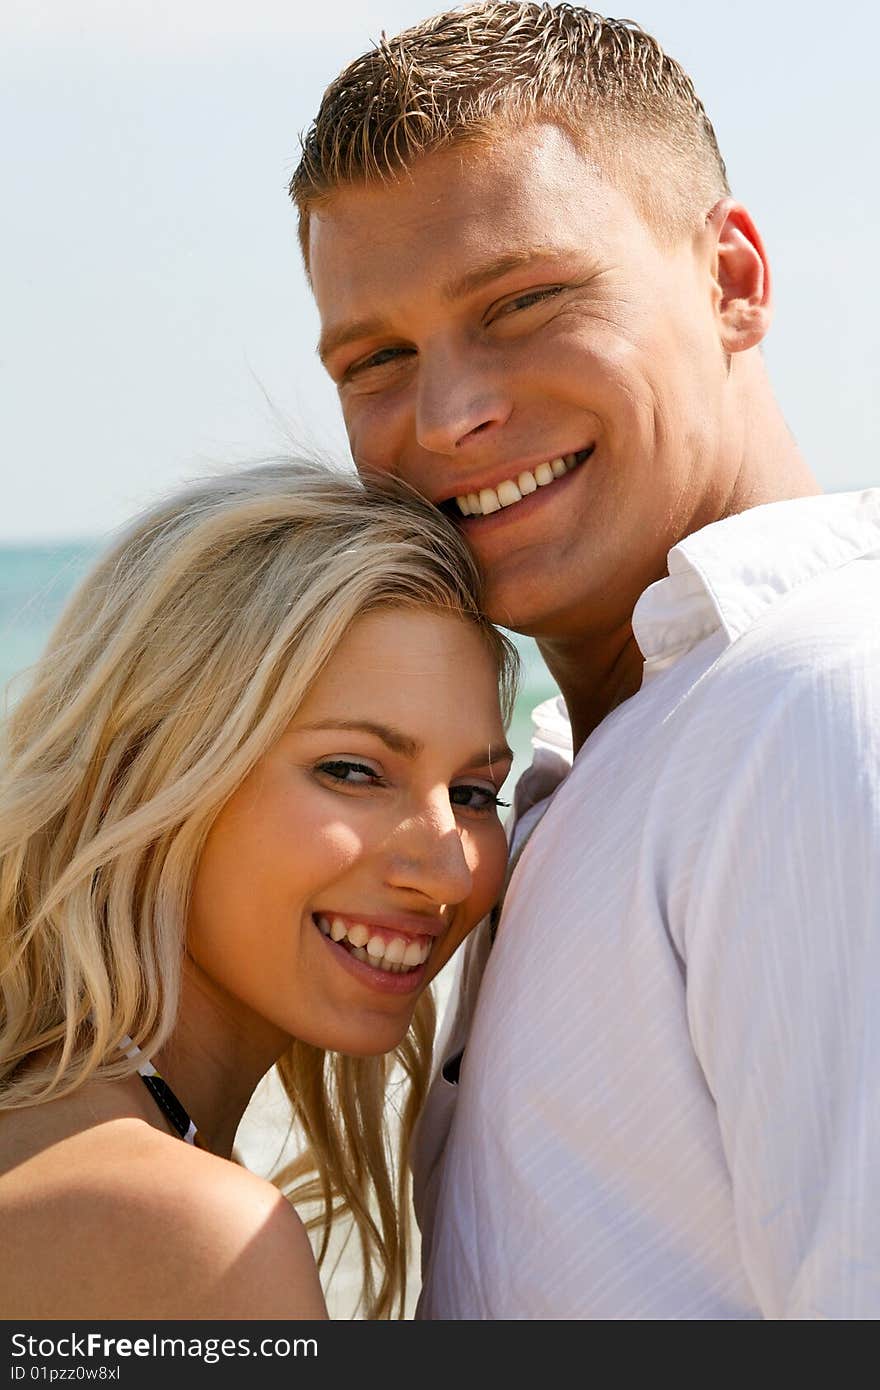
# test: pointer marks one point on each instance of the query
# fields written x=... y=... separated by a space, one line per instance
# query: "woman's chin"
x=372 y=1042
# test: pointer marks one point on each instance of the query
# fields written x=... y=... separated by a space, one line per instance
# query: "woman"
x=247 y=812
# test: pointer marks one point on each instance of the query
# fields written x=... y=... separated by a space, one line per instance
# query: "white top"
x=669 y=1104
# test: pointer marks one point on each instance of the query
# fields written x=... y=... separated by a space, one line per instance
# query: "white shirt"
x=669 y=1103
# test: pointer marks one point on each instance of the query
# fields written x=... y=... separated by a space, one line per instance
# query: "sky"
x=154 y=318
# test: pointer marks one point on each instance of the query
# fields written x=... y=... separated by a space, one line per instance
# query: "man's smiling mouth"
x=512 y=490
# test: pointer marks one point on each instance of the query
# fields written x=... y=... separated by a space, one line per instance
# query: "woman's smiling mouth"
x=378 y=948
x=512 y=490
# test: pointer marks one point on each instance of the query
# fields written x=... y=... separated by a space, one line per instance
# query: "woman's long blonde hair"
x=176 y=665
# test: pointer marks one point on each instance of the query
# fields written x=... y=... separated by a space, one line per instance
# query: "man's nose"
x=426 y=855
x=460 y=399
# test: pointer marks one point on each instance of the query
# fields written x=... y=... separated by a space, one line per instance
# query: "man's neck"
x=596 y=672
x=594 y=677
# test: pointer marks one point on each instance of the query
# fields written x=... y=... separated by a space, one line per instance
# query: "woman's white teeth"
x=395 y=954
x=511 y=491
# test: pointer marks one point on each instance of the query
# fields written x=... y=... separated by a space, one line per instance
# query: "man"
x=544 y=309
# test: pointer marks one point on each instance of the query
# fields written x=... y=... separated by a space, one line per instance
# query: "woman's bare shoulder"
x=126 y=1222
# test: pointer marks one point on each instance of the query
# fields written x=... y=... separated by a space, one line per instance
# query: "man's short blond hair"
x=464 y=75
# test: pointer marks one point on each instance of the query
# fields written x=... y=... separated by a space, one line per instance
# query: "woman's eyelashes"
x=470 y=796
x=353 y=773
x=349 y=772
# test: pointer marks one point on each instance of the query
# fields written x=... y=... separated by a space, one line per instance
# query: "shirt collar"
x=724 y=577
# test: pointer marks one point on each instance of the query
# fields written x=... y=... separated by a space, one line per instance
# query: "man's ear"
x=742 y=276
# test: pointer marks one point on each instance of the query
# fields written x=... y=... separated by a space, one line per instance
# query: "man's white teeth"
x=508 y=492
x=544 y=474
x=513 y=490
x=395 y=954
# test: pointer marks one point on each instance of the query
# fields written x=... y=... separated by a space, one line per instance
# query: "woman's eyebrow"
x=400 y=742
x=501 y=753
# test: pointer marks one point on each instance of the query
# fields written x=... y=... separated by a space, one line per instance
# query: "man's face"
x=503 y=326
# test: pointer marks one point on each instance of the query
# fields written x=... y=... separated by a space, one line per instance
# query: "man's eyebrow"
x=480 y=275
x=402 y=743
x=332 y=339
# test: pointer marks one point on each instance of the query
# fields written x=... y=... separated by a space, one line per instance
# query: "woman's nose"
x=426 y=855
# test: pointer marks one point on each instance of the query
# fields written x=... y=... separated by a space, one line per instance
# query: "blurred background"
x=155 y=320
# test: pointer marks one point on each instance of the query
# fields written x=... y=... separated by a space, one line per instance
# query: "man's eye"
x=527 y=301
x=475 y=798
x=349 y=773
x=377 y=359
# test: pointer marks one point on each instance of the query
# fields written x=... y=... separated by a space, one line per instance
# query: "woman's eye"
x=349 y=773
x=475 y=798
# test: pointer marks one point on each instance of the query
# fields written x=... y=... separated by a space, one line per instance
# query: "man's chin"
x=528 y=614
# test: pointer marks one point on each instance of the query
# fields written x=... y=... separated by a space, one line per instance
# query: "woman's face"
x=365 y=845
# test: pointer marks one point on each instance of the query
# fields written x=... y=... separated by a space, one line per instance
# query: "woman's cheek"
x=340 y=842
x=489 y=874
